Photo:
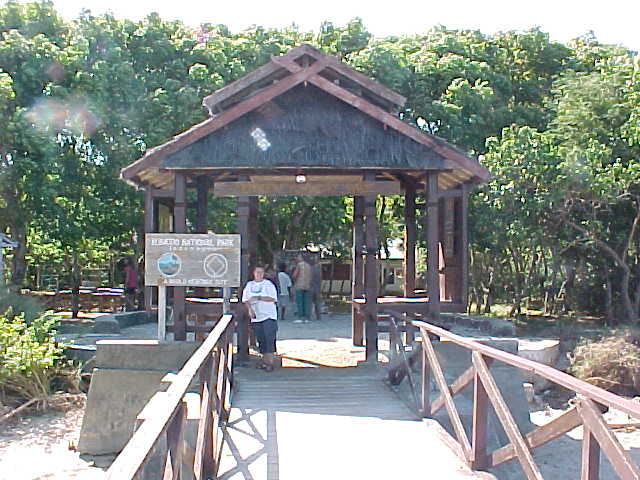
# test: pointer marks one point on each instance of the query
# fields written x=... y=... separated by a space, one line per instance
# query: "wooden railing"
x=210 y=367
x=586 y=409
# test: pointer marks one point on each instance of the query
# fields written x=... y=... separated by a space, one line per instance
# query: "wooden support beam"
x=409 y=263
x=202 y=197
x=464 y=246
x=590 y=462
x=179 y=226
x=253 y=233
x=309 y=189
x=456 y=387
x=357 y=270
x=433 y=280
x=371 y=278
x=150 y=225
x=409 y=286
x=596 y=428
x=163 y=193
x=451 y=193
x=439 y=377
x=541 y=435
x=479 y=422
x=524 y=455
x=425 y=391
x=242 y=325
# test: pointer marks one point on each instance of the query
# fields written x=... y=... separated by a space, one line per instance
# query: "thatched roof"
x=304 y=110
x=306 y=127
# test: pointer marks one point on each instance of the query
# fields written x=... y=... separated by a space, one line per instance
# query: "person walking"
x=302 y=283
x=260 y=297
x=285 y=293
x=316 y=287
x=130 y=284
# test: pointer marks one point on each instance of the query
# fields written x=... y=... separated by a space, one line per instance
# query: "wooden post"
x=433 y=277
x=180 y=226
x=464 y=246
x=357 y=270
x=202 y=191
x=253 y=233
x=162 y=312
x=149 y=227
x=371 y=277
x=226 y=300
x=242 y=325
x=409 y=284
x=590 y=455
x=426 y=382
x=202 y=186
x=479 y=429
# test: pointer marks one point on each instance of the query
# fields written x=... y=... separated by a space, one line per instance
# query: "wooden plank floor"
x=329 y=423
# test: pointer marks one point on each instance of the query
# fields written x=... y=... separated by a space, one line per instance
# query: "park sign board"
x=192 y=260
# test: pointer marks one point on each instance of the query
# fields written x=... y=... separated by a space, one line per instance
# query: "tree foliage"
x=557 y=124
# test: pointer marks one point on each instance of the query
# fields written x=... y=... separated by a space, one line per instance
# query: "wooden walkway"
x=320 y=423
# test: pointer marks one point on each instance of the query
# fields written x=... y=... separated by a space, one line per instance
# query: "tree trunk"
x=75 y=285
x=568 y=287
x=608 y=299
x=629 y=312
x=19 y=263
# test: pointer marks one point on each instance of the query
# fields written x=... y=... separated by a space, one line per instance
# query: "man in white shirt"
x=260 y=297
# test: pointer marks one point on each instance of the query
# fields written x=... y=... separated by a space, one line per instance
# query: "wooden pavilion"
x=307 y=124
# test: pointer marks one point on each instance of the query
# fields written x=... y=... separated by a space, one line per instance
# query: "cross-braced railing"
x=210 y=367
x=585 y=411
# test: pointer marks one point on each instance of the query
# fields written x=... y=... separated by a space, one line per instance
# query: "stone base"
x=127 y=374
x=541 y=351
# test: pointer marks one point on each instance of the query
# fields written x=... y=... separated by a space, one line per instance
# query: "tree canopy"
x=557 y=124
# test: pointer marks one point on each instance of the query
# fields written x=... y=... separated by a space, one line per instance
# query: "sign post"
x=185 y=260
x=162 y=310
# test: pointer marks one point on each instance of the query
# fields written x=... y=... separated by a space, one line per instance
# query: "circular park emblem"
x=216 y=265
x=169 y=264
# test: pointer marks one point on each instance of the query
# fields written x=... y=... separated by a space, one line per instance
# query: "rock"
x=541 y=351
x=528 y=391
x=106 y=324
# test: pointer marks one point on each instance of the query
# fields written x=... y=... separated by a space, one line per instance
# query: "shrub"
x=30 y=307
x=612 y=362
x=29 y=355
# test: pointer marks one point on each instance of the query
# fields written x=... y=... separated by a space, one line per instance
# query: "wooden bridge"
x=347 y=423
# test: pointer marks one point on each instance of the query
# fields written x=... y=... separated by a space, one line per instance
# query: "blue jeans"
x=266 y=335
x=303 y=303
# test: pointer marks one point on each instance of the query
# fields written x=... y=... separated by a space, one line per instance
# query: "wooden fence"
x=586 y=409
x=209 y=367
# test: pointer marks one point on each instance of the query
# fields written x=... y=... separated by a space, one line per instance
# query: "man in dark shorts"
x=260 y=297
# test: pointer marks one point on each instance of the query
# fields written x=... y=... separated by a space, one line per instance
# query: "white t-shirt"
x=285 y=284
x=263 y=310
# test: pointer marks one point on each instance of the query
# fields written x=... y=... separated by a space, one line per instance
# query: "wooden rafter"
x=264 y=72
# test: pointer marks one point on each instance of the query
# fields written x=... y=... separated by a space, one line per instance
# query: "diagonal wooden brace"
x=524 y=455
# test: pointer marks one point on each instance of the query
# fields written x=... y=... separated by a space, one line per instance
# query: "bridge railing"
x=586 y=409
x=210 y=367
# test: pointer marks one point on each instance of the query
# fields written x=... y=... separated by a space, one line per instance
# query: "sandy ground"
x=38 y=447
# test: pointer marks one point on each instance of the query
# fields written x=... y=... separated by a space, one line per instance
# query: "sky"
x=612 y=21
